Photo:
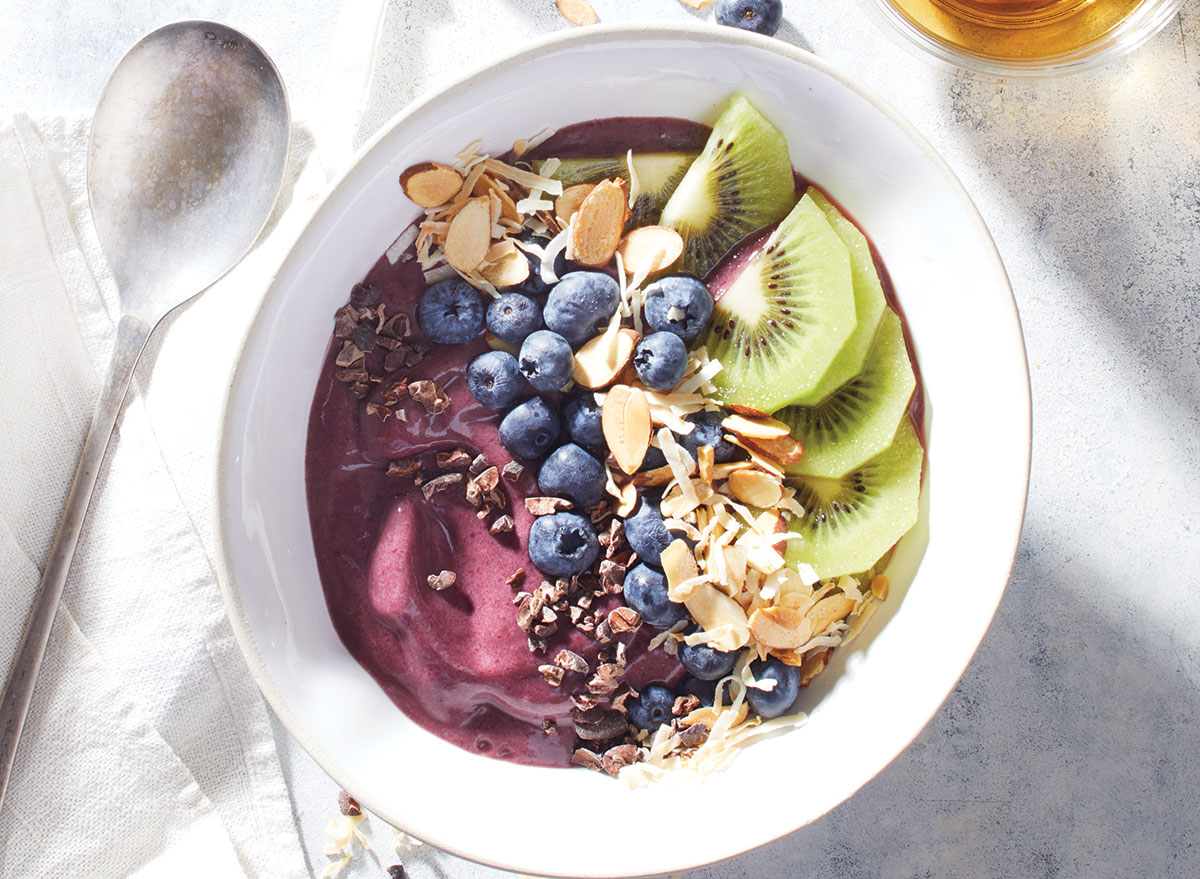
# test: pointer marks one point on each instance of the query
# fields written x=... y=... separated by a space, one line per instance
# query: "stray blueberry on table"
x=580 y=305
x=709 y=432
x=563 y=544
x=530 y=429
x=777 y=700
x=760 y=16
x=494 y=379
x=678 y=304
x=705 y=663
x=546 y=360
x=661 y=361
x=570 y=472
x=652 y=708
x=513 y=316
x=645 y=531
x=581 y=418
x=646 y=592
x=450 y=312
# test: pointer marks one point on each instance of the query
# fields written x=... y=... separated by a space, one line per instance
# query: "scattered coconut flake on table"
x=341 y=834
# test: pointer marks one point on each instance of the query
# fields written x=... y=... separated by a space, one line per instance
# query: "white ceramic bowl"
x=949 y=574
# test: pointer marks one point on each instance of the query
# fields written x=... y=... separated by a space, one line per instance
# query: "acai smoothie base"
x=611 y=447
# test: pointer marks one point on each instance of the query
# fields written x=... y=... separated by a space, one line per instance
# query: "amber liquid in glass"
x=1021 y=30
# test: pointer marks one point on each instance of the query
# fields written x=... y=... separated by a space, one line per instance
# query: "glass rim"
x=1146 y=20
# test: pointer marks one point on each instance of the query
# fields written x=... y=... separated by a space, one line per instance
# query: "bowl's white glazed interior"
x=948 y=575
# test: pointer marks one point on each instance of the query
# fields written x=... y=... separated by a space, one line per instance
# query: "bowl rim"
x=563 y=40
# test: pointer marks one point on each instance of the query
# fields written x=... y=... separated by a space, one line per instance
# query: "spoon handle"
x=132 y=334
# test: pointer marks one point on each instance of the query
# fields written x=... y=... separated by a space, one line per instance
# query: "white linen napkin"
x=148 y=751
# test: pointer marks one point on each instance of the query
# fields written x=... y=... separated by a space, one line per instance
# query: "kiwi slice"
x=850 y=522
x=868 y=306
x=657 y=176
x=741 y=182
x=779 y=325
x=859 y=419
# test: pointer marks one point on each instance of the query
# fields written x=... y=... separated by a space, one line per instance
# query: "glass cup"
x=1025 y=37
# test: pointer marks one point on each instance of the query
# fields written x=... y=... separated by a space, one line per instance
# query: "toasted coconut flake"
x=554 y=247
x=861 y=618
x=650 y=249
x=719 y=616
x=578 y=12
x=879 y=586
x=657 y=476
x=596 y=227
x=705 y=462
x=679 y=566
x=402 y=243
x=521 y=177
x=701 y=377
x=697 y=4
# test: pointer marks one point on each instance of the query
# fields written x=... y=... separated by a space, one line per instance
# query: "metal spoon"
x=186 y=160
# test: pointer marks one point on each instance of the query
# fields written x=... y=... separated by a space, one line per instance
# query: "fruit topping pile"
x=702 y=367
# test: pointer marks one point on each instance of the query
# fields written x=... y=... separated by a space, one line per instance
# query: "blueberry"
x=513 y=316
x=563 y=544
x=450 y=312
x=760 y=16
x=494 y=379
x=661 y=361
x=709 y=432
x=571 y=473
x=654 y=459
x=776 y=701
x=652 y=708
x=546 y=360
x=581 y=304
x=645 y=531
x=705 y=691
x=530 y=429
x=646 y=592
x=581 y=418
x=705 y=663
x=678 y=304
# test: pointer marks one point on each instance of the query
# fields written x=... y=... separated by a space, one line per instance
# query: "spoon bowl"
x=187 y=153
x=186 y=159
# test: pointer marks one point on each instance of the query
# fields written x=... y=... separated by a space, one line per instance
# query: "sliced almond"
x=506 y=265
x=723 y=471
x=625 y=420
x=650 y=249
x=679 y=566
x=783 y=450
x=628 y=501
x=602 y=359
x=596 y=231
x=657 y=476
x=713 y=610
x=705 y=463
x=578 y=12
x=764 y=427
x=748 y=411
x=827 y=611
x=572 y=197
x=755 y=488
x=879 y=587
x=780 y=628
x=859 y=622
x=430 y=184
x=469 y=235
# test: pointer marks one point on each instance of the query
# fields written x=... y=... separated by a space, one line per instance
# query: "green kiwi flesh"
x=859 y=419
x=741 y=182
x=868 y=306
x=657 y=176
x=850 y=522
x=779 y=325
